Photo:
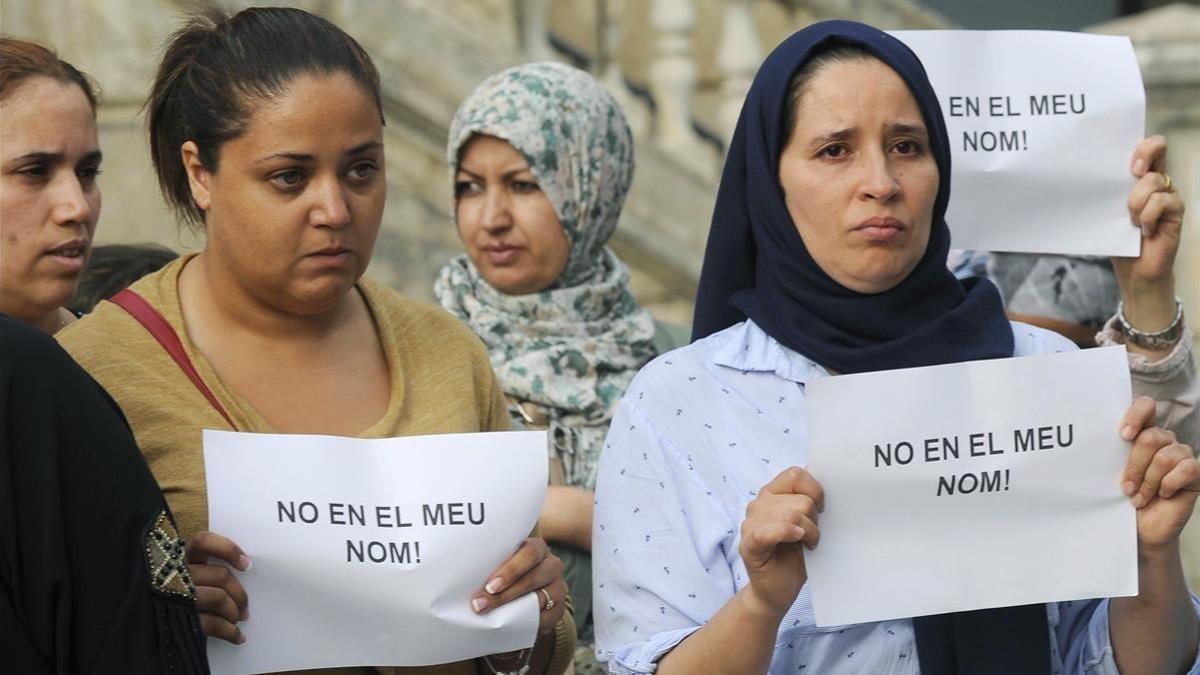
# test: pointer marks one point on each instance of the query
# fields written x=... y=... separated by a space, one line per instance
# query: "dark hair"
x=21 y=60
x=216 y=67
x=798 y=86
x=113 y=267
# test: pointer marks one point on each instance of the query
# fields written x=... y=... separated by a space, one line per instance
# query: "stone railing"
x=681 y=68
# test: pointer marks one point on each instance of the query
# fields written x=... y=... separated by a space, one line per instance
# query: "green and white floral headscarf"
x=572 y=349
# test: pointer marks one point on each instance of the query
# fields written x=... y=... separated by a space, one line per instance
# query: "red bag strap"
x=157 y=326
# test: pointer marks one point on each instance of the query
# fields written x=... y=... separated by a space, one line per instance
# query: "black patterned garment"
x=92 y=573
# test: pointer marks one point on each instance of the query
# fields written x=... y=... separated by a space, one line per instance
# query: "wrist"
x=758 y=610
x=1159 y=555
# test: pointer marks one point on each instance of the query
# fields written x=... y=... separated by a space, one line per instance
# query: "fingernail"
x=1127 y=488
x=245 y=614
x=478 y=604
x=243 y=563
x=1138 y=501
x=494 y=586
x=1139 y=167
x=241 y=638
x=1127 y=432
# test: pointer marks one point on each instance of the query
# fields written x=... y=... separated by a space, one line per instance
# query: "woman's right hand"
x=780 y=519
x=220 y=599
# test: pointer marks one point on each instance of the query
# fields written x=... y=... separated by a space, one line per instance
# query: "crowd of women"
x=827 y=254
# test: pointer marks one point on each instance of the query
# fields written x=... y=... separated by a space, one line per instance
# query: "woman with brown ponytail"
x=266 y=130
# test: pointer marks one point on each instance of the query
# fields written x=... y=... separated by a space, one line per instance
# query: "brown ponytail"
x=216 y=68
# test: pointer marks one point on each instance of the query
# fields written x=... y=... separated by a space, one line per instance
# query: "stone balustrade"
x=681 y=68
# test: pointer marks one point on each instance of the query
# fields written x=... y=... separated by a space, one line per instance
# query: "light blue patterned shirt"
x=699 y=431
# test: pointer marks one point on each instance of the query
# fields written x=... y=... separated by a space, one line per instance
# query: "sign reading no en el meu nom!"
x=956 y=486
x=368 y=551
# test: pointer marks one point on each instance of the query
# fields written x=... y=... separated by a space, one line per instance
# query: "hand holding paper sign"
x=1154 y=202
x=532 y=569
x=220 y=599
x=1162 y=479
x=778 y=521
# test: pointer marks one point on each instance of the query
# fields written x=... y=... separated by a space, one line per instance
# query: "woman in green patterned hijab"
x=541 y=159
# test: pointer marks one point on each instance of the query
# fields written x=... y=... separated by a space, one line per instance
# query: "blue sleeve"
x=1081 y=643
x=658 y=572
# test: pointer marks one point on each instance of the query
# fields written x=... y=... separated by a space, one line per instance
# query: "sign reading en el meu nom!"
x=1042 y=129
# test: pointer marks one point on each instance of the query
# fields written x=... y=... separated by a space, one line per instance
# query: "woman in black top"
x=92 y=573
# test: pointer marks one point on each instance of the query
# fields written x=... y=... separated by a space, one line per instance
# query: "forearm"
x=566 y=516
x=1157 y=631
x=738 y=640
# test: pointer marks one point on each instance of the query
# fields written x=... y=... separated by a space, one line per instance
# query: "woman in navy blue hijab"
x=827 y=255
x=764 y=255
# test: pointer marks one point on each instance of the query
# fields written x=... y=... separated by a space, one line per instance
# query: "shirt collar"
x=750 y=349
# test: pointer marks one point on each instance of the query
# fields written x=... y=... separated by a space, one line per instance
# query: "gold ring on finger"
x=549 y=601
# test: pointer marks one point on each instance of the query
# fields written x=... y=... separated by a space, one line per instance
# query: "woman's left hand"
x=1162 y=478
x=1147 y=282
x=531 y=569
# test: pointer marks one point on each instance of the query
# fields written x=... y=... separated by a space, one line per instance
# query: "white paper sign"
x=368 y=551
x=1042 y=129
x=971 y=486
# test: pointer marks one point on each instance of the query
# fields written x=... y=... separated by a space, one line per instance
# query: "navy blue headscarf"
x=756 y=266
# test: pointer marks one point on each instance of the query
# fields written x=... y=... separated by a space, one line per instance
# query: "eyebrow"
x=506 y=175
x=306 y=157
x=832 y=137
x=56 y=157
x=844 y=134
x=904 y=128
